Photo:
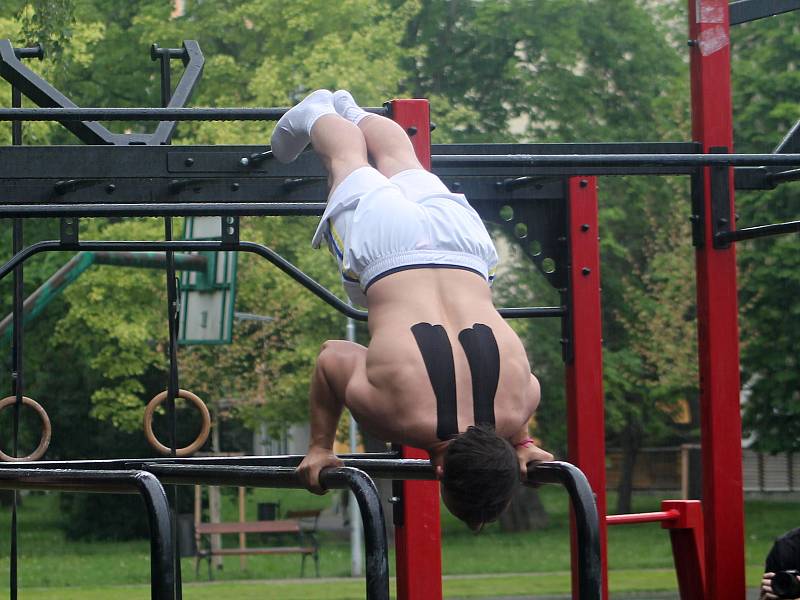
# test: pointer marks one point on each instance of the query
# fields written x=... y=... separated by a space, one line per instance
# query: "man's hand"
x=530 y=453
x=316 y=459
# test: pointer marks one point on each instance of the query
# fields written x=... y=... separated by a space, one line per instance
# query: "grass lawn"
x=478 y=566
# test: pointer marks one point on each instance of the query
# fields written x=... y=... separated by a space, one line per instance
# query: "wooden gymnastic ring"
x=186 y=450
x=47 y=429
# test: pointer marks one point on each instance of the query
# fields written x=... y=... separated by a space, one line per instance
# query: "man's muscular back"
x=392 y=395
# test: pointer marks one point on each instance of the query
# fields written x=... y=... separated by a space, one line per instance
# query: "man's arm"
x=336 y=364
x=524 y=446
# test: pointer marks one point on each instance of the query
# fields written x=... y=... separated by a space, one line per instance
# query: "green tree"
x=766 y=86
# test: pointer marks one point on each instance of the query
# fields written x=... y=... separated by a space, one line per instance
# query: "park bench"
x=305 y=541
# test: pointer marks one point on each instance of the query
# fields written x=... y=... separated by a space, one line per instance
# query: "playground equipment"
x=141 y=175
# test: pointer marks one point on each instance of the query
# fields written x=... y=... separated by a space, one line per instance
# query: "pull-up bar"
x=151 y=114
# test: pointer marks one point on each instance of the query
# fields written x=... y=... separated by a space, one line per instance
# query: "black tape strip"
x=434 y=345
x=480 y=346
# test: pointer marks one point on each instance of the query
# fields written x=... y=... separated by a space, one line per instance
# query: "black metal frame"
x=279 y=471
x=162 y=573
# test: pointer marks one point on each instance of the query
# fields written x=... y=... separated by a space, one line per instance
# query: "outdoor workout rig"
x=545 y=195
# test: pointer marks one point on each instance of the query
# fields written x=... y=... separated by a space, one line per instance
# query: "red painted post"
x=686 y=535
x=418 y=539
x=584 y=372
x=717 y=315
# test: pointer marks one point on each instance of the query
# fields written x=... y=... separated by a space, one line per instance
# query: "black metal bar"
x=784 y=176
x=17 y=381
x=587 y=523
x=616 y=160
x=377 y=580
x=44 y=94
x=193 y=62
x=35 y=52
x=744 y=11
x=749 y=233
x=791 y=141
x=150 y=114
x=195 y=209
x=162 y=579
x=273 y=257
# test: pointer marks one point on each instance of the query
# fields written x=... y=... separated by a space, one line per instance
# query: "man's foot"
x=346 y=106
x=293 y=132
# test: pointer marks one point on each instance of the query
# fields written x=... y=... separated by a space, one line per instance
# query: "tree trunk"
x=631 y=444
x=525 y=513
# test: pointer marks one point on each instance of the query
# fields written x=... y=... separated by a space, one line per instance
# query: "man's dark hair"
x=481 y=474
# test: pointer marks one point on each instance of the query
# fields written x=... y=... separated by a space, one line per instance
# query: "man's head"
x=480 y=476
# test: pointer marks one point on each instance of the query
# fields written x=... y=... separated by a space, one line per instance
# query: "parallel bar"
x=376 y=545
x=648 y=517
x=749 y=233
x=162 y=574
x=744 y=11
x=149 y=114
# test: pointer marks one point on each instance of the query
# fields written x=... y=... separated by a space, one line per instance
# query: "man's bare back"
x=393 y=395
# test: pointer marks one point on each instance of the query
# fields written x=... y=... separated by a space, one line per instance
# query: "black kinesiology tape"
x=434 y=345
x=483 y=355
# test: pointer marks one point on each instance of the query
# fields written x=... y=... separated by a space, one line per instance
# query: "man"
x=783 y=556
x=443 y=371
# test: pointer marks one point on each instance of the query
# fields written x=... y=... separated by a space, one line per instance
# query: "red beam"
x=717 y=315
x=418 y=539
x=584 y=372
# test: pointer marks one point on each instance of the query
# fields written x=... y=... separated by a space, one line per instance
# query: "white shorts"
x=376 y=226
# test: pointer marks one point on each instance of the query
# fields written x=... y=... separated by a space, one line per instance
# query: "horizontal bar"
x=745 y=11
x=323 y=293
x=150 y=114
x=648 y=517
x=749 y=233
x=162 y=574
x=615 y=160
x=178 y=209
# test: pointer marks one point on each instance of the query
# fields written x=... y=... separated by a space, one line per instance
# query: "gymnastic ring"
x=201 y=437
x=47 y=429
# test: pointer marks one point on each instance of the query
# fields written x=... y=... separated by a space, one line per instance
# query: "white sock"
x=293 y=132
x=346 y=106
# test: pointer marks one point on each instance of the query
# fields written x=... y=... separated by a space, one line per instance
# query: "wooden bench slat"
x=276 y=550
x=249 y=527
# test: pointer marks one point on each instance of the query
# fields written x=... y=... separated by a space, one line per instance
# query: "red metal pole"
x=686 y=535
x=717 y=315
x=418 y=538
x=584 y=370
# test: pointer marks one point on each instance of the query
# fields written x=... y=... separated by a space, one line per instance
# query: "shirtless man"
x=443 y=371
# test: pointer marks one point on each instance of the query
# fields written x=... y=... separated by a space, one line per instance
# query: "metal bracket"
x=698 y=211
x=230 y=231
x=536 y=219
x=70 y=227
x=396 y=500
x=721 y=214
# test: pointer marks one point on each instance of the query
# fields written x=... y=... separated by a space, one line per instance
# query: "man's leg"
x=387 y=143
x=338 y=142
x=340 y=146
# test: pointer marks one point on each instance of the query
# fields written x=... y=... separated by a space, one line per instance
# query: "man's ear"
x=439 y=471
